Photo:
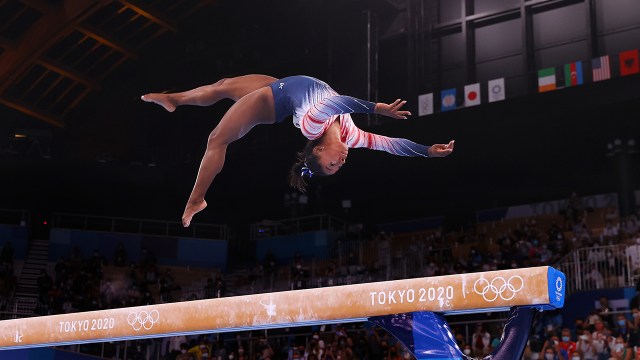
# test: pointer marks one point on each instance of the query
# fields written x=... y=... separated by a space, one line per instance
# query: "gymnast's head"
x=318 y=158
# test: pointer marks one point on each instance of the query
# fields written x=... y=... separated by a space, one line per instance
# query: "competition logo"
x=498 y=287
x=558 y=284
x=143 y=319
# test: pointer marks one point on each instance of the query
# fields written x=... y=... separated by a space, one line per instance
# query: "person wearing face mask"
x=566 y=346
x=184 y=354
x=634 y=335
x=552 y=343
x=467 y=350
x=201 y=351
x=551 y=354
x=480 y=341
x=620 y=350
x=624 y=326
x=585 y=346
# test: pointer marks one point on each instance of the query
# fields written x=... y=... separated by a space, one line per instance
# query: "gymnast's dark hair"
x=306 y=166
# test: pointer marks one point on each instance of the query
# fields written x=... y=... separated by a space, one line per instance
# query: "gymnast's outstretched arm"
x=398 y=146
x=315 y=123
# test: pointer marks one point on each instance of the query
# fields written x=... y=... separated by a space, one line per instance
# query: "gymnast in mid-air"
x=322 y=115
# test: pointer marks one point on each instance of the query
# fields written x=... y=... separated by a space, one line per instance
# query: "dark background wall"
x=528 y=148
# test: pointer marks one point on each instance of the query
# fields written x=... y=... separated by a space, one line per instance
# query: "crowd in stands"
x=78 y=283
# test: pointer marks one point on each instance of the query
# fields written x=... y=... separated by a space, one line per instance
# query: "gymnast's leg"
x=249 y=111
x=231 y=88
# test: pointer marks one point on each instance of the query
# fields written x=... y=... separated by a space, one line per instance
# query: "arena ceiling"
x=53 y=53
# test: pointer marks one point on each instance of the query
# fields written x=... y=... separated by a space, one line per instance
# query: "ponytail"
x=306 y=166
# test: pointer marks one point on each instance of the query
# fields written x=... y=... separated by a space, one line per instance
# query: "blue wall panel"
x=169 y=251
x=316 y=244
x=18 y=237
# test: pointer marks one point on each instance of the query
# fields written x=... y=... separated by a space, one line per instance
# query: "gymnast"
x=322 y=115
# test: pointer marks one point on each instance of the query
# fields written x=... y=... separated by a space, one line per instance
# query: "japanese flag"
x=472 y=95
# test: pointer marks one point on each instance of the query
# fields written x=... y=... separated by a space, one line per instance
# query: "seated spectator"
x=620 y=350
x=475 y=260
x=594 y=277
x=184 y=354
x=120 y=256
x=566 y=346
x=633 y=255
x=624 y=327
x=591 y=320
x=480 y=341
x=604 y=310
x=601 y=338
x=298 y=277
x=202 y=350
x=631 y=226
x=209 y=289
x=218 y=285
x=545 y=254
x=551 y=353
x=586 y=347
x=467 y=350
x=614 y=269
x=610 y=233
x=45 y=283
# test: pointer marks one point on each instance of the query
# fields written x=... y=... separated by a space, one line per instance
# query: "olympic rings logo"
x=143 y=319
x=498 y=287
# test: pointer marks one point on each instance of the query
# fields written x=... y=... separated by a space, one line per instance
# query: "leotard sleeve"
x=397 y=146
x=322 y=114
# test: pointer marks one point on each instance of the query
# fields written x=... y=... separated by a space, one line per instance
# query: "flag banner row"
x=549 y=79
x=577 y=73
x=495 y=91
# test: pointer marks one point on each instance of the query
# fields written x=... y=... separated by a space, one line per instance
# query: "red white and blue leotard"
x=315 y=106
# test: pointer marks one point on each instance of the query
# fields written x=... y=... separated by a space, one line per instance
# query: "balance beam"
x=541 y=288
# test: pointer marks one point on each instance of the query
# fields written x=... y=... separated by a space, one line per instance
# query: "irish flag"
x=546 y=79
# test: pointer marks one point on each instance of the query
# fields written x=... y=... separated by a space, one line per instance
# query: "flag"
x=629 y=62
x=425 y=104
x=601 y=68
x=496 y=90
x=546 y=79
x=573 y=74
x=448 y=99
x=472 y=94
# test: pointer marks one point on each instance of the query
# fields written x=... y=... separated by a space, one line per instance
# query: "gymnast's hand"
x=441 y=150
x=392 y=110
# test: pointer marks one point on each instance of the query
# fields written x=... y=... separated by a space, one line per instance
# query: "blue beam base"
x=428 y=336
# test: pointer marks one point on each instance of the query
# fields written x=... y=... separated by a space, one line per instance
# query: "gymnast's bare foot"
x=193 y=207
x=163 y=100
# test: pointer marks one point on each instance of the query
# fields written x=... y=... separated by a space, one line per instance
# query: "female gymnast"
x=321 y=114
